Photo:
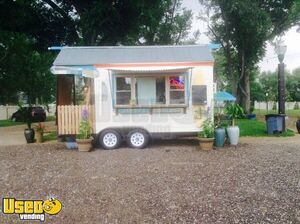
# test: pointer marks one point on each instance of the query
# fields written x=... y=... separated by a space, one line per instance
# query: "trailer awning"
x=150 y=69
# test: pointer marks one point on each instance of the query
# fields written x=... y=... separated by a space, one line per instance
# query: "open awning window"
x=85 y=71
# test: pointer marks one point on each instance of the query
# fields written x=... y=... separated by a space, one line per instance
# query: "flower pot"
x=298 y=126
x=206 y=143
x=39 y=136
x=220 y=134
x=29 y=135
x=84 y=145
x=233 y=134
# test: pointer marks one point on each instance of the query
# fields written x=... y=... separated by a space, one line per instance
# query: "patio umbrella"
x=223 y=96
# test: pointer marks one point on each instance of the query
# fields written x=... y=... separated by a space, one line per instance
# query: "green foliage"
x=51 y=118
x=97 y=22
x=208 y=129
x=28 y=28
x=169 y=23
x=26 y=115
x=84 y=130
x=274 y=106
x=221 y=119
x=293 y=85
x=40 y=127
x=52 y=136
x=8 y=123
x=84 y=127
x=290 y=113
x=236 y=25
x=265 y=86
x=23 y=69
x=234 y=111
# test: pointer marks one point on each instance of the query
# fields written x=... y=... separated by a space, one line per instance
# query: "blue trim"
x=85 y=67
x=113 y=82
x=214 y=46
x=55 y=48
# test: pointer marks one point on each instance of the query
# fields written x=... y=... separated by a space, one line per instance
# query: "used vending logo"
x=31 y=209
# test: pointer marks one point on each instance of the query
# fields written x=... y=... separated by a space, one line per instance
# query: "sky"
x=270 y=61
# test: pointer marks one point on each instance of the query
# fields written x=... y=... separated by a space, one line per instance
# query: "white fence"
x=7 y=111
x=264 y=106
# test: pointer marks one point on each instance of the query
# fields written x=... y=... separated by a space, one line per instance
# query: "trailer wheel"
x=138 y=138
x=110 y=139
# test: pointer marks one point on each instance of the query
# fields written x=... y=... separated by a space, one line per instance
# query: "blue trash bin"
x=275 y=123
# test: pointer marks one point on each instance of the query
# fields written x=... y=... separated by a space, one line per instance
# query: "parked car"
x=38 y=115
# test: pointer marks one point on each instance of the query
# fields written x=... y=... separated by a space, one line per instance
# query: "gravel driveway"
x=170 y=182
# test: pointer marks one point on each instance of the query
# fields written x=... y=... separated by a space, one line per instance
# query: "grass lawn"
x=258 y=129
x=291 y=113
x=7 y=123
x=50 y=136
x=51 y=118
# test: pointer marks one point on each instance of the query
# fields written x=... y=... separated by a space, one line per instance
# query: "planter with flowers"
x=84 y=139
x=206 y=136
x=39 y=132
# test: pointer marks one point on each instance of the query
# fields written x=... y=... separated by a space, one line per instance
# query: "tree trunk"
x=230 y=72
x=243 y=94
x=234 y=85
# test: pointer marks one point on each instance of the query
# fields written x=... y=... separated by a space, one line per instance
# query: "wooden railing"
x=69 y=117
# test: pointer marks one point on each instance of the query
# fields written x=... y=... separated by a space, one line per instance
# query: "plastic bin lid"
x=274 y=115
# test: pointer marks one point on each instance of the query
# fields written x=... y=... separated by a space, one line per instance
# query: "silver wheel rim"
x=137 y=139
x=110 y=140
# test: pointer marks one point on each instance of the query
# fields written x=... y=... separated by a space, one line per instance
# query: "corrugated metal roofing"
x=136 y=54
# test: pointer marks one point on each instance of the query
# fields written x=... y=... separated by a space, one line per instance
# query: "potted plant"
x=220 y=132
x=39 y=132
x=26 y=116
x=206 y=136
x=234 y=111
x=298 y=124
x=84 y=140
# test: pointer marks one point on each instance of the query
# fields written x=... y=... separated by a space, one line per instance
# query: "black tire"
x=138 y=138
x=110 y=139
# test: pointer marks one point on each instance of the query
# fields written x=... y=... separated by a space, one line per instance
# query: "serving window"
x=177 y=89
x=142 y=90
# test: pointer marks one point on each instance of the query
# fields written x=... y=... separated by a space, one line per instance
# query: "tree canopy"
x=28 y=28
x=243 y=29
